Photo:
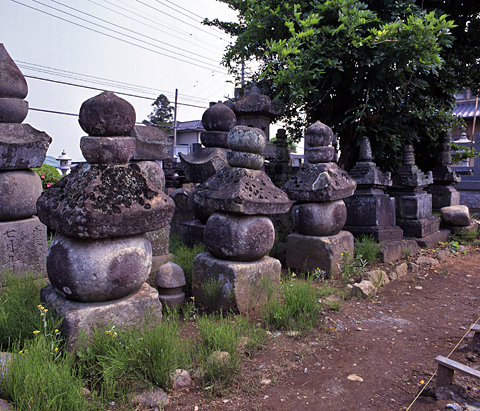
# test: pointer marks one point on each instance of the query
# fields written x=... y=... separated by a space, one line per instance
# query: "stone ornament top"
x=253 y=101
x=319 y=138
x=12 y=81
x=408 y=174
x=218 y=117
x=366 y=172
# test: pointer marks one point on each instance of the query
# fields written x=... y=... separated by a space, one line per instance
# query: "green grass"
x=367 y=248
x=294 y=306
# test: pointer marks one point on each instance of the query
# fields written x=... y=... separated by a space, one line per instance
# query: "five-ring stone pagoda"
x=100 y=259
x=239 y=234
x=319 y=213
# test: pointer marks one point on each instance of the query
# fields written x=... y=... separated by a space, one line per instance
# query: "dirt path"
x=389 y=344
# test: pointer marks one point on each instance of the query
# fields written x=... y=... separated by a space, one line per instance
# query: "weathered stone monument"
x=414 y=204
x=100 y=259
x=319 y=214
x=238 y=234
x=443 y=189
x=23 y=238
x=204 y=163
x=255 y=109
x=372 y=212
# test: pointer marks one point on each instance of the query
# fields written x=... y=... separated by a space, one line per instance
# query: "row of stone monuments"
x=111 y=210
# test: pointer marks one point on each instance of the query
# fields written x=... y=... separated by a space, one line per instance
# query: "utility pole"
x=243 y=73
x=175 y=121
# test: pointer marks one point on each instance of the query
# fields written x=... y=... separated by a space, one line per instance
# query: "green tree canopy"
x=161 y=116
x=388 y=69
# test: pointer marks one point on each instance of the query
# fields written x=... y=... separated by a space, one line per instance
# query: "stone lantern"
x=64 y=162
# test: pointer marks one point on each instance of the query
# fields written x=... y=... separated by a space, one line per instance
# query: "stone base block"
x=419 y=228
x=396 y=250
x=23 y=245
x=432 y=240
x=443 y=196
x=123 y=313
x=235 y=285
x=308 y=252
x=379 y=233
x=459 y=230
x=192 y=232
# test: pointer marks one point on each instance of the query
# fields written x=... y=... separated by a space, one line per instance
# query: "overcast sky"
x=138 y=47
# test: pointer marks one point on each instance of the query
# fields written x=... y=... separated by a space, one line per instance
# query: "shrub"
x=48 y=174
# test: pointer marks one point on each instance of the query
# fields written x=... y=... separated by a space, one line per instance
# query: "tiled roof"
x=190 y=125
x=465 y=109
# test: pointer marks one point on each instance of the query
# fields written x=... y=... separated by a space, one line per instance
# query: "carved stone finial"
x=408 y=156
x=365 y=150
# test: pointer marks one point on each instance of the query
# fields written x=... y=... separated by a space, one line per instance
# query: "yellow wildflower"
x=56 y=349
x=36 y=332
x=56 y=330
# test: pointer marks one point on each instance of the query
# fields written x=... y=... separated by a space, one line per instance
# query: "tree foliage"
x=388 y=69
x=161 y=116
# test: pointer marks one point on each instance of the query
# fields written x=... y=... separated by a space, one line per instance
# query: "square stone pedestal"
x=310 y=252
x=419 y=228
x=192 y=232
x=432 y=240
x=396 y=250
x=379 y=233
x=23 y=245
x=123 y=313
x=242 y=285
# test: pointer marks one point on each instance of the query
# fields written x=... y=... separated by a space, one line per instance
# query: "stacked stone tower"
x=443 y=189
x=320 y=213
x=98 y=262
x=414 y=204
x=23 y=238
x=204 y=163
x=239 y=233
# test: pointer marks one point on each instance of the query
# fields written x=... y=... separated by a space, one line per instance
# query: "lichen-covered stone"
x=247 y=139
x=13 y=110
x=318 y=134
x=12 y=81
x=219 y=117
x=242 y=191
x=19 y=190
x=214 y=139
x=107 y=115
x=245 y=160
x=22 y=146
x=319 y=154
x=456 y=215
x=320 y=182
x=100 y=201
x=238 y=237
x=327 y=218
x=108 y=150
x=98 y=270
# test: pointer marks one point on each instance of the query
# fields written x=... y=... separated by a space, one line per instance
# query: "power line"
x=190 y=38
x=124 y=28
x=113 y=37
x=101 y=89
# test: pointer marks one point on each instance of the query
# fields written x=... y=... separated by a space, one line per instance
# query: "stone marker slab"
x=396 y=250
x=243 y=284
x=23 y=245
x=123 y=313
x=325 y=253
x=192 y=232
x=151 y=143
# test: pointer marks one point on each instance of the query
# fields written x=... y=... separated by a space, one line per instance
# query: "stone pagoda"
x=370 y=211
x=239 y=233
x=414 y=204
x=319 y=214
x=204 y=163
x=101 y=257
x=443 y=189
x=23 y=238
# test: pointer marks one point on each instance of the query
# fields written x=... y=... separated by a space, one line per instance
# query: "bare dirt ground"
x=390 y=343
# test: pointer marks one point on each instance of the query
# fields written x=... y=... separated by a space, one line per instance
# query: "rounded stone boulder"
x=13 y=110
x=319 y=219
x=239 y=238
x=107 y=150
x=245 y=160
x=247 y=139
x=12 y=81
x=169 y=281
x=319 y=154
x=318 y=134
x=458 y=215
x=219 y=117
x=107 y=115
x=19 y=191
x=98 y=270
